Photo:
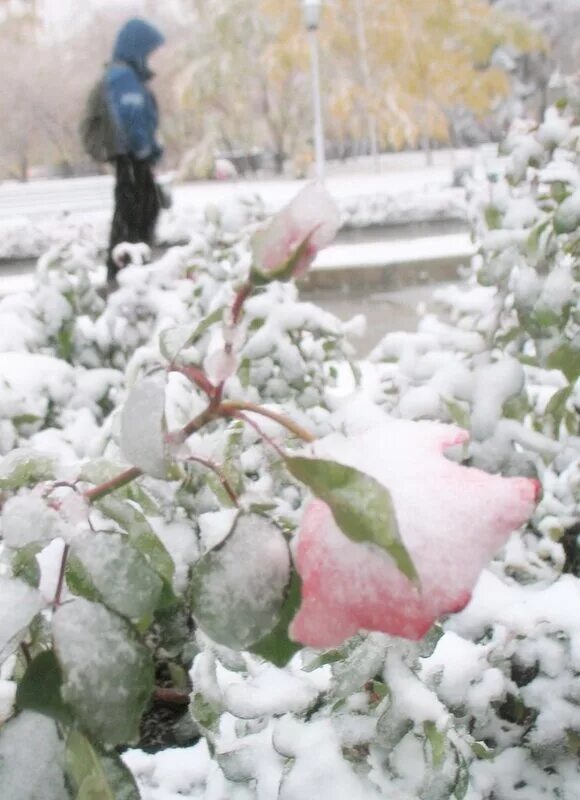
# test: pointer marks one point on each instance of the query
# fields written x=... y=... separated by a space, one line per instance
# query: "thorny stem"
x=60 y=584
x=171 y=696
x=219 y=472
x=117 y=482
x=231 y=407
x=239 y=301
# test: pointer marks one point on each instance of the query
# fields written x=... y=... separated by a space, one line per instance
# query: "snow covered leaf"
x=361 y=506
x=107 y=568
x=452 y=520
x=143 y=426
x=40 y=688
x=27 y=519
x=276 y=646
x=288 y=245
x=96 y=774
x=173 y=340
x=141 y=534
x=567 y=217
x=108 y=673
x=19 y=604
x=31 y=759
x=23 y=467
x=238 y=588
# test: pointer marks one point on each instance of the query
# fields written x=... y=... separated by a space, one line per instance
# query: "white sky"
x=60 y=14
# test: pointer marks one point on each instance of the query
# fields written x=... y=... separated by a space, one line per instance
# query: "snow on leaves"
x=288 y=245
x=142 y=427
x=108 y=674
x=238 y=588
x=31 y=759
x=19 y=604
x=452 y=520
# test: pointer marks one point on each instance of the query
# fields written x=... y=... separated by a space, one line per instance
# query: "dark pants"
x=136 y=206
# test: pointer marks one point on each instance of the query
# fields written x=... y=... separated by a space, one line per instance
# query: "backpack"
x=97 y=129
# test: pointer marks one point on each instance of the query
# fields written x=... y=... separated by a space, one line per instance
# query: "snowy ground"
x=403 y=191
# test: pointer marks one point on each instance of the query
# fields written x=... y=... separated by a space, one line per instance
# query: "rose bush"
x=167 y=576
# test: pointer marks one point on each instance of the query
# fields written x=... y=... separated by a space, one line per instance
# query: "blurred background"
x=235 y=78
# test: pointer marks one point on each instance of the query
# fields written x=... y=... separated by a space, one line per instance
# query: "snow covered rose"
x=452 y=520
x=288 y=244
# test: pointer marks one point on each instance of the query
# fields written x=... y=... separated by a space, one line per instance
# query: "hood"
x=137 y=39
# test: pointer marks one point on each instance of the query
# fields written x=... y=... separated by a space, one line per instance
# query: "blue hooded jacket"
x=131 y=103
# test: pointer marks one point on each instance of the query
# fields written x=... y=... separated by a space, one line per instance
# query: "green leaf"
x=361 y=506
x=458 y=412
x=437 y=741
x=23 y=467
x=25 y=564
x=567 y=359
x=174 y=340
x=96 y=775
x=556 y=408
x=330 y=657
x=141 y=534
x=238 y=589
x=277 y=647
x=203 y=713
x=107 y=672
x=31 y=759
x=40 y=689
x=482 y=751
x=105 y=566
x=567 y=216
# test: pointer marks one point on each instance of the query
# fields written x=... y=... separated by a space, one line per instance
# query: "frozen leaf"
x=19 y=604
x=452 y=520
x=360 y=505
x=277 y=647
x=97 y=775
x=141 y=534
x=173 y=340
x=108 y=673
x=288 y=245
x=31 y=759
x=40 y=688
x=23 y=467
x=567 y=217
x=108 y=567
x=26 y=519
x=238 y=588
x=143 y=426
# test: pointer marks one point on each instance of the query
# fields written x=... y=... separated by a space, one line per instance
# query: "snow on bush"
x=164 y=490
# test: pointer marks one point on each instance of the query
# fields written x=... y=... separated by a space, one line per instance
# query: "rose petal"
x=294 y=236
x=452 y=520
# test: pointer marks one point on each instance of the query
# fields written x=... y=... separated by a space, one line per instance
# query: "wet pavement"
x=395 y=310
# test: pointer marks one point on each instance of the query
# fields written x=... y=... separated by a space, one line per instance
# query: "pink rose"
x=451 y=518
x=288 y=244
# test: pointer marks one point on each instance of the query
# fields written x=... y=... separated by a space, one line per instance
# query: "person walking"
x=133 y=108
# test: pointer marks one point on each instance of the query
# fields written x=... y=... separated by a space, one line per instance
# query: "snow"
x=32 y=759
x=19 y=604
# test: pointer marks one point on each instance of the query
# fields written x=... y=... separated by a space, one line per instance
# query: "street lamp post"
x=312 y=10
